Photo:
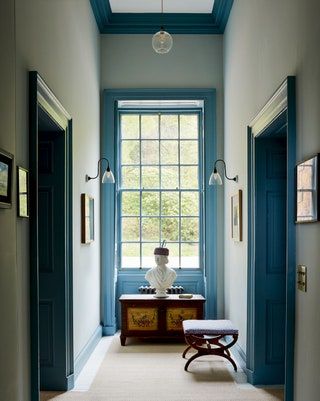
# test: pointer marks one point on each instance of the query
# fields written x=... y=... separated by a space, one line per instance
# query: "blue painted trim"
x=108 y=199
x=108 y=210
x=284 y=99
x=291 y=238
x=210 y=207
x=239 y=354
x=86 y=351
x=242 y=354
x=109 y=330
x=70 y=382
x=139 y=23
x=251 y=270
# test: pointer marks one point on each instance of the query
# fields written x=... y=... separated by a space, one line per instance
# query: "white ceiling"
x=154 y=6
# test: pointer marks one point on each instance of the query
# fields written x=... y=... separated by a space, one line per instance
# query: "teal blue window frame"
x=114 y=282
x=161 y=110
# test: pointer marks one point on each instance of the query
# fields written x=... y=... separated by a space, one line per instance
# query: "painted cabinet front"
x=145 y=316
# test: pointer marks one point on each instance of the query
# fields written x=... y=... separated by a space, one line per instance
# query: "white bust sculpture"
x=161 y=277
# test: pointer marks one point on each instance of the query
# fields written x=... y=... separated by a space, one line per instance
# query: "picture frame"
x=23 y=192
x=307 y=190
x=87 y=219
x=6 y=168
x=236 y=216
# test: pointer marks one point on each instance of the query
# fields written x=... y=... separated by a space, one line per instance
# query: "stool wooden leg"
x=185 y=351
x=191 y=359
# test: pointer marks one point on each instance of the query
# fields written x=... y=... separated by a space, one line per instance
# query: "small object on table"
x=186 y=296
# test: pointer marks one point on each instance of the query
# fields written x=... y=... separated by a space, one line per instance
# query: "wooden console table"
x=146 y=316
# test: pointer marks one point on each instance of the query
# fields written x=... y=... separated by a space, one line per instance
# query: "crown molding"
x=148 y=23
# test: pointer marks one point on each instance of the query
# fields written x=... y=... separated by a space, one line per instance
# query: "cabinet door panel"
x=175 y=316
x=142 y=319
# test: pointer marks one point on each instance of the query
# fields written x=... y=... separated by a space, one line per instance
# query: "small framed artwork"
x=23 y=191
x=6 y=165
x=87 y=219
x=236 y=216
x=307 y=188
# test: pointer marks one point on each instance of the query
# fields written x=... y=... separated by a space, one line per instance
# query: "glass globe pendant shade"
x=162 y=42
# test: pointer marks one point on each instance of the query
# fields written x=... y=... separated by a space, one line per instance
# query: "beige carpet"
x=144 y=371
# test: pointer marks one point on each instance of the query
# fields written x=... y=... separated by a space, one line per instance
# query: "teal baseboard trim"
x=108 y=330
x=264 y=377
x=250 y=376
x=242 y=357
x=239 y=354
x=70 y=382
x=86 y=351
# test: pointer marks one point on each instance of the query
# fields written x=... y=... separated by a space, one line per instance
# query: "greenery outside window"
x=159 y=187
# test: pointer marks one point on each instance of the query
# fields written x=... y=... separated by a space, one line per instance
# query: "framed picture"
x=87 y=219
x=236 y=216
x=307 y=185
x=23 y=191
x=6 y=165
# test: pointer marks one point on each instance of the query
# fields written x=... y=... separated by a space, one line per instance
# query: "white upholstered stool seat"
x=205 y=336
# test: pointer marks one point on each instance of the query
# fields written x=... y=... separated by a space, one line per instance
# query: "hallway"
x=149 y=371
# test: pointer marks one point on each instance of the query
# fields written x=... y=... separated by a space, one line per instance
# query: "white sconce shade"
x=215 y=178
x=108 y=177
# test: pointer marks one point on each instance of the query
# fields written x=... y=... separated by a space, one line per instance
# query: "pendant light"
x=162 y=40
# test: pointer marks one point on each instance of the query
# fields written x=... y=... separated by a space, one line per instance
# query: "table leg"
x=123 y=339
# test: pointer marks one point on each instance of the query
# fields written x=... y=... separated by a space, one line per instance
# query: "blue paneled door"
x=270 y=261
x=52 y=260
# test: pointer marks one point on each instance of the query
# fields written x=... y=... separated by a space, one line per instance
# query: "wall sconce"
x=215 y=177
x=107 y=178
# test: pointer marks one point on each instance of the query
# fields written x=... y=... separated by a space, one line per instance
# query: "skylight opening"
x=169 y=6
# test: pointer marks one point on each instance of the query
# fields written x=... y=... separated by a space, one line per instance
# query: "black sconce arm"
x=225 y=170
x=99 y=167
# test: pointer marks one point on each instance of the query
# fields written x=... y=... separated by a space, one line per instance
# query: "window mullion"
x=140 y=182
x=179 y=175
x=160 y=183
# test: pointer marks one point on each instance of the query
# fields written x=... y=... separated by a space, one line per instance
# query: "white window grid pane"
x=141 y=190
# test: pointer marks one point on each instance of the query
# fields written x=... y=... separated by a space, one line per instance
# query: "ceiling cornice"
x=139 y=23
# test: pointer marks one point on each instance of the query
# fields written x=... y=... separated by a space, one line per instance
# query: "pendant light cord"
x=162 y=28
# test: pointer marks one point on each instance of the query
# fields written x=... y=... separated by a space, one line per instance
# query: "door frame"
x=40 y=95
x=282 y=103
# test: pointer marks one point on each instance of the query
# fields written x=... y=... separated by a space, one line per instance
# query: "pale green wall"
x=265 y=41
x=60 y=40
x=8 y=247
x=195 y=61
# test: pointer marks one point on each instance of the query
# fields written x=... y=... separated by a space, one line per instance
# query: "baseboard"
x=70 y=382
x=108 y=330
x=239 y=354
x=242 y=355
x=86 y=351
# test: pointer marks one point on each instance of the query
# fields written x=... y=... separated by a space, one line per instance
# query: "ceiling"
x=179 y=16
